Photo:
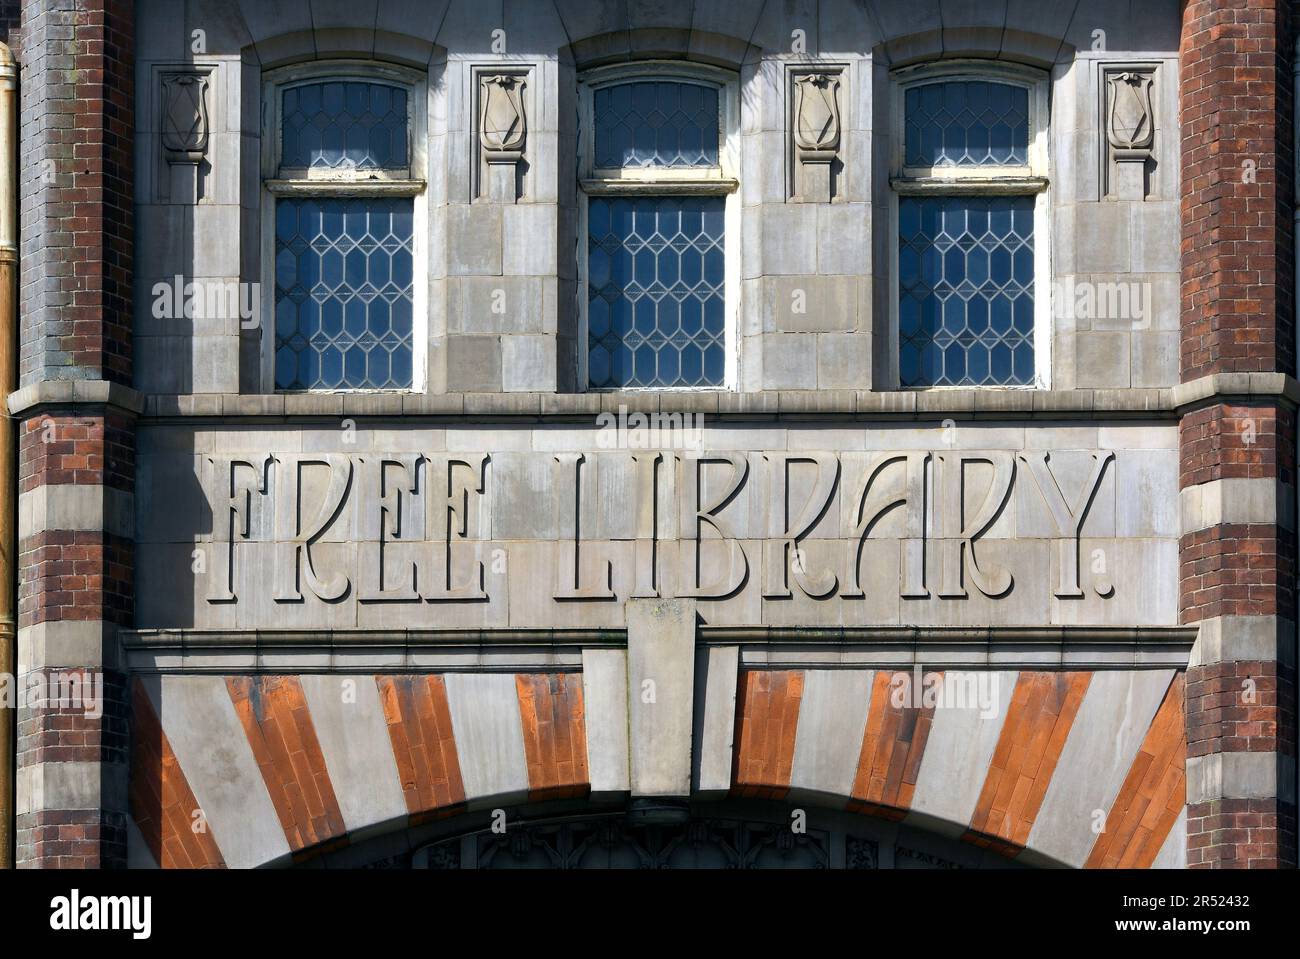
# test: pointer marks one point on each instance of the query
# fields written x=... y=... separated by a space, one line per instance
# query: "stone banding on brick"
x=1153 y=795
x=68 y=644
x=76 y=445
x=283 y=738
x=1228 y=639
x=1037 y=725
x=396 y=748
x=1237 y=502
x=76 y=507
x=1238 y=442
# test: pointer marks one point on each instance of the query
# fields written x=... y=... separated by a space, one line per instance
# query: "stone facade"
x=970 y=625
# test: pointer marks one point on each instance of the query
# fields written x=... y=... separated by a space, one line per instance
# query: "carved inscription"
x=699 y=523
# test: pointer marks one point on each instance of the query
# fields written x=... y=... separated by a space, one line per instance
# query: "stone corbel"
x=1129 y=122
x=185 y=130
x=815 y=127
x=502 y=131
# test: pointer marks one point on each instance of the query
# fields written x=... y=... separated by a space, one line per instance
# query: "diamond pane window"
x=966 y=123
x=966 y=291
x=344 y=124
x=344 y=284
x=655 y=297
x=656 y=123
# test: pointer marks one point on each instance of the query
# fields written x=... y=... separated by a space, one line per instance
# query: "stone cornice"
x=1009 y=647
x=794 y=404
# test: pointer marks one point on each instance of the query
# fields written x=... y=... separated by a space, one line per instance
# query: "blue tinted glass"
x=966 y=291
x=655 y=303
x=341 y=123
x=656 y=123
x=343 y=294
x=966 y=123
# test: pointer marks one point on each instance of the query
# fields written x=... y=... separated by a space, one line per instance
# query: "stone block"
x=489 y=737
x=530 y=239
x=843 y=361
x=1156 y=229
x=789 y=361
x=828 y=738
x=528 y=363
x=661 y=693
x=808 y=304
x=1155 y=359
x=214 y=229
x=717 y=669
x=473 y=364
x=789 y=239
x=195 y=712
x=1108 y=730
x=353 y=735
x=1146 y=493
x=843 y=238
x=605 y=703
x=474 y=239
x=1102 y=360
x=1101 y=238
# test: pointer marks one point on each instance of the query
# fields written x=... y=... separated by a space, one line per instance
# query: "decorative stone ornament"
x=1130 y=119
x=816 y=131
x=185 y=131
x=1130 y=124
x=185 y=117
x=503 y=131
x=817 y=112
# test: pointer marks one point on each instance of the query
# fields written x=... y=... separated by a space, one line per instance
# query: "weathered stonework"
x=971 y=626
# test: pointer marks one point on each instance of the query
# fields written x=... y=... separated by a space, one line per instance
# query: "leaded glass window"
x=343 y=291
x=966 y=291
x=344 y=123
x=967 y=122
x=343 y=259
x=970 y=186
x=656 y=247
x=655 y=279
x=656 y=123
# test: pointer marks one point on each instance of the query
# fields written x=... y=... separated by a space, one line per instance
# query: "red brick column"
x=76 y=430
x=1238 y=439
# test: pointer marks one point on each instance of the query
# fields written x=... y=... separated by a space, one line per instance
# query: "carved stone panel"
x=816 y=131
x=186 y=95
x=561 y=527
x=1129 y=125
x=185 y=116
x=501 y=119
